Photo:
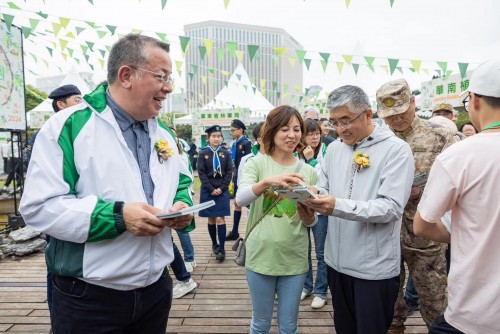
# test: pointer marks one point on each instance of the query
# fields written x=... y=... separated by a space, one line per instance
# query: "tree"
x=34 y=97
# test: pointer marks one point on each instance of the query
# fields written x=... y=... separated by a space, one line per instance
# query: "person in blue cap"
x=241 y=146
x=215 y=169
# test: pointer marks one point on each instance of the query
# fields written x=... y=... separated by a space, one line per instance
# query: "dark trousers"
x=179 y=267
x=6 y=165
x=362 y=306
x=440 y=326
x=80 y=307
x=15 y=171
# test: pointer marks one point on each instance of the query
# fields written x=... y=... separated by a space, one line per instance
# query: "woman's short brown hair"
x=275 y=120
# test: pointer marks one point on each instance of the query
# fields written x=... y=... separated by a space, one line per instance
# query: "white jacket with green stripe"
x=80 y=167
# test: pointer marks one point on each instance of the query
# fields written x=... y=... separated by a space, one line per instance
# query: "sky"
x=429 y=30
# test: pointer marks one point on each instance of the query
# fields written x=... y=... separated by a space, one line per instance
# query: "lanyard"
x=491 y=126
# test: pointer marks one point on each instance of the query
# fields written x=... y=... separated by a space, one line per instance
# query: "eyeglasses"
x=342 y=125
x=467 y=100
x=164 y=78
x=314 y=134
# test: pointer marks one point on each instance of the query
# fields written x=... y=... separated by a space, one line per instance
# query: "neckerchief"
x=235 y=146
x=216 y=161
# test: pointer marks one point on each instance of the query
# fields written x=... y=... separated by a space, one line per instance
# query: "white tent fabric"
x=239 y=93
x=38 y=115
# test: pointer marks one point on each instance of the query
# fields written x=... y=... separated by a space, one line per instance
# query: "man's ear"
x=369 y=113
x=125 y=76
x=61 y=105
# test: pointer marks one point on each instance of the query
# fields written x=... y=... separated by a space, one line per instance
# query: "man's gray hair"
x=310 y=108
x=131 y=50
x=353 y=97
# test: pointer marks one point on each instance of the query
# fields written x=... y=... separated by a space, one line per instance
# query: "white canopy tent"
x=38 y=115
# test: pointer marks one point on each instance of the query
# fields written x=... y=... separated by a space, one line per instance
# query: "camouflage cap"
x=393 y=98
x=445 y=107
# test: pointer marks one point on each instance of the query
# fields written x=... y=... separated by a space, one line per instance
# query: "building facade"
x=277 y=78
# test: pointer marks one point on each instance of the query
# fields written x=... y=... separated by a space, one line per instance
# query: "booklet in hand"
x=299 y=193
x=187 y=211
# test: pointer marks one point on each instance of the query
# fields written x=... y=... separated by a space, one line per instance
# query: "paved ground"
x=221 y=303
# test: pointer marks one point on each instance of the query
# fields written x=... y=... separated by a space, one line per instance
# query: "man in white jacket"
x=100 y=173
x=365 y=183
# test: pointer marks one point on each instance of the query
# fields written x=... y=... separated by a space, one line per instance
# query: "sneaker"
x=183 y=288
x=190 y=265
x=412 y=306
x=4 y=190
x=221 y=255
x=304 y=295
x=318 y=302
x=232 y=236
x=215 y=249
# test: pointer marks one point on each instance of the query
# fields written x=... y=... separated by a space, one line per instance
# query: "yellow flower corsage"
x=361 y=161
x=163 y=149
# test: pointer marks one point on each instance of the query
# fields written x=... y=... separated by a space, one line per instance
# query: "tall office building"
x=275 y=75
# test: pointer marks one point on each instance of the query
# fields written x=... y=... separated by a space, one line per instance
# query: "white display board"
x=12 y=101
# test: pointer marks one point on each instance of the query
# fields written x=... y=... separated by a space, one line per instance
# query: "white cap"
x=485 y=79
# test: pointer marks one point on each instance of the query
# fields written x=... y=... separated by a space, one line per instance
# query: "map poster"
x=12 y=103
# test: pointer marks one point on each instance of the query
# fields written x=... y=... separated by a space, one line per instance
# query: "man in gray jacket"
x=364 y=185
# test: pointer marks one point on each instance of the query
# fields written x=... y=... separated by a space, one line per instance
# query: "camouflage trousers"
x=427 y=268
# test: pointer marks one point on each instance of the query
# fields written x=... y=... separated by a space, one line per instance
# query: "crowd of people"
x=388 y=189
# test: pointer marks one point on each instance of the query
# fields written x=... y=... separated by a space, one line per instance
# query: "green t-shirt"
x=278 y=245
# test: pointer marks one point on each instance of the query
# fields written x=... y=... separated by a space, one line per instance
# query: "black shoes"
x=232 y=236
x=412 y=306
x=221 y=255
x=215 y=249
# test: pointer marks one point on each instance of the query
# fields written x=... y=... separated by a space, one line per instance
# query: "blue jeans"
x=187 y=245
x=319 y=232
x=262 y=292
x=178 y=266
x=410 y=292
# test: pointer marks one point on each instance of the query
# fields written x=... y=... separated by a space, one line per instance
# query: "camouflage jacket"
x=426 y=143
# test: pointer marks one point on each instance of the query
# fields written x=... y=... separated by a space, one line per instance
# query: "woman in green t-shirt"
x=276 y=258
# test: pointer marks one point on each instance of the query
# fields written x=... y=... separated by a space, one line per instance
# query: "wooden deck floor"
x=221 y=304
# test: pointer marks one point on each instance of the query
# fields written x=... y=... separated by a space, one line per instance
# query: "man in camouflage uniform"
x=425 y=259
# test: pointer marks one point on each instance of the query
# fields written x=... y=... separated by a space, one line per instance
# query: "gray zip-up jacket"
x=363 y=237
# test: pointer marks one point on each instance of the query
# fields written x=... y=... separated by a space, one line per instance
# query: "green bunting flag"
x=347 y=3
x=324 y=64
x=90 y=45
x=162 y=36
x=90 y=24
x=226 y=3
x=392 y=2
x=325 y=56
x=79 y=30
x=70 y=52
x=231 y=47
x=416 y=65
x=163 y=3
x=463 y=69
x=50 y=50
x=300 y=55
x=208 y=45
x=91 y=2
x=307 y=62
x=203 y=51
x=184 y=44
x=178 y=66
x=13 y=5
x=239 y=55
x=280 y=51
x=252 y=51
x=42 y=15
x=292 y=61
x=34 y=24
x=276 y=60
x=103 y=52
x=84 y=48
x=70 y=35
x=348 y=59
x=63 y=43
x=112 y=29
x=393 y=63
x=57 y=28
x=442 y=65
x=355 y=67
x=340 y=66
x=64 y=22
x=194 y=69
x=220 y=54
x=26 y=32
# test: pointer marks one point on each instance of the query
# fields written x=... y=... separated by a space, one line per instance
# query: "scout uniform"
x=425 y=259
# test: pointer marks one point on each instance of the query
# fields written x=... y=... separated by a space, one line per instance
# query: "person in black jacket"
x=241 y=147
x=215 y=169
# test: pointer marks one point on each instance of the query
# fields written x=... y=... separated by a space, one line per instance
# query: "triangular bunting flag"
x=101 y=61
x=399 y=69
x=252 y=51
x=226 y=3
x=91 y=24
x=50 y=50
x=57 y=27
x=111 y=29
x=34 y=24
x=347 y=3
x=86 y=57
x=262 y=83
x=307 y=62
x=280 y=51
x=386 y=68
x=184 y=44
x=211 y=70
x=463 y=69
x=26 y=32
x=448 y=73
x=348 y=59
x=101 y=34
x=416 y=65
x=324 y=64
x=137 y=31
x=300 y=55
x=190 y=75
x=162 y=36
x=369 y=60
x=285 y=87
x=194 y=68
x=43 y=15
x=292 y=61
x=70 y=51
x=91 y=2
x=79 y=30
x=225 y=73
x=340 y=66
x=220 y=54
x=103 y=52
x=13 y=5
x=276 y=60
x=178 y=66
x=231 y=47
x=275 y=86
x=84 y=48
x=393 y=63
x=325 y=56
x=163 y=3
x=63 y=43
x=90 y=45
x=442 y=65
x=239 y=55
x=203 y=51
x=392 y=2
x=46 y=63
x=204 y=80
x=208 y=45
x=355 y=67
x=64 y=22
x=70 y=35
